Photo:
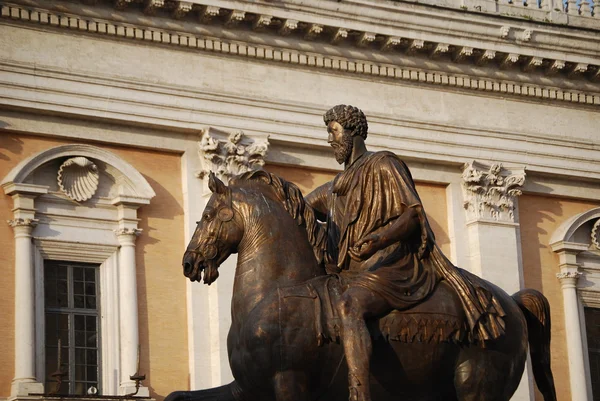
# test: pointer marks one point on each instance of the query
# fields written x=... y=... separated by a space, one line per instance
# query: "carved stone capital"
x=128 y=231
x=232 y=156
x=568 y=279
x=23 y=223
x=127 y=236
x=490 y=191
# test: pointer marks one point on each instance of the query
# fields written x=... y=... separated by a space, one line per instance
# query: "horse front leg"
x=291 y=385
x=228 y=392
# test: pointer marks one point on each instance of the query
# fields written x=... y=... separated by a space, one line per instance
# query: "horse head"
x=216 y=237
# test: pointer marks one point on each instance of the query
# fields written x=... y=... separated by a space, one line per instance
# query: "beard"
x=343 y=151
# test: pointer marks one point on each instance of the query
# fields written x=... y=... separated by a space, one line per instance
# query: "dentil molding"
x=386 y=55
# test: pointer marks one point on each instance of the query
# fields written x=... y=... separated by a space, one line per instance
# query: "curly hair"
x=350 y=117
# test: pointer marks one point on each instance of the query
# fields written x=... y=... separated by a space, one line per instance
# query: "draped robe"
x=365 y=199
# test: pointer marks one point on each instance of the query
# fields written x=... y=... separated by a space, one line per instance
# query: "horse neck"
x=274 y=252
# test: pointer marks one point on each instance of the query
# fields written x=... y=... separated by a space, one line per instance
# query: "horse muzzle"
x=193 y=264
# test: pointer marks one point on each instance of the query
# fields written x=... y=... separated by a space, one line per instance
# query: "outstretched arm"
x=317 y=199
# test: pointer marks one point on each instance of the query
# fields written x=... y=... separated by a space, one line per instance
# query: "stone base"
x=21 y=389
x=130 y=389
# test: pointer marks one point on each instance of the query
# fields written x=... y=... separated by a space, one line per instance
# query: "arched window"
x=577 y=243
x=75 y=225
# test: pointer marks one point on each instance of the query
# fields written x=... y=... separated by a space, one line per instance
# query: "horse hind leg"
x=480 y=378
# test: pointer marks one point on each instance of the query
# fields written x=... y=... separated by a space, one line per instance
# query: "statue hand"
x=365 y=247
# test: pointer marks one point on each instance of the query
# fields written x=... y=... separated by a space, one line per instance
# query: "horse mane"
x=293 y=201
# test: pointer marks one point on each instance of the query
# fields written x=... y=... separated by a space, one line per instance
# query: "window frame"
x=106 y=258
x=71 y=311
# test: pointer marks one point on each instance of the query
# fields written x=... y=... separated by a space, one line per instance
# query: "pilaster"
x=226 y=154
x=23 y=224
x=127 y=234
x=490 y=201
x=569 y=276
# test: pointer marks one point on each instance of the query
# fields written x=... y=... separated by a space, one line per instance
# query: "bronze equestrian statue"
x=412 y=325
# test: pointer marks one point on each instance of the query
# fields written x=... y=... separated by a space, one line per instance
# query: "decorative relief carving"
x=181 y=9
x=129 y=231
x=211 y=13
x=78 y=178
x=568 y=275
x=227 y=158
x=504 y=32
x=23 y=223
x=596 y=235
x=490 y=191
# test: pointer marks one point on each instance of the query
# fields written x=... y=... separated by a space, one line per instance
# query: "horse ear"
x=215 y=184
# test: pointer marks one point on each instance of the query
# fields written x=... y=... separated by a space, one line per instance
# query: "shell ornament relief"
x=78 y=178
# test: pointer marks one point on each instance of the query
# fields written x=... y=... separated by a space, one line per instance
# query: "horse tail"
x=536 y=309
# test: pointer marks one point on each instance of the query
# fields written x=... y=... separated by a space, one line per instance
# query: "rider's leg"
x=355 y=305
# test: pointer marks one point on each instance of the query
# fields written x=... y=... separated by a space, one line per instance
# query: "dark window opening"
x=72 y=323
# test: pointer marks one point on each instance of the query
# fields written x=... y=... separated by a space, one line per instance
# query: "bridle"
x=208 y=247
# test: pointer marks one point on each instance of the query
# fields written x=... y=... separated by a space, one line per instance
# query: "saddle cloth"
x=414 y=325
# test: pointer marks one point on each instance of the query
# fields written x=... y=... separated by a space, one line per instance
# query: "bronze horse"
x=280 y=351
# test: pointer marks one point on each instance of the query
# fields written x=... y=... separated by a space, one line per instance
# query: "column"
x=23 y=195
x=24 y=381
x=568 y=276
x=127 y=234
x=568 y=282
x=490 y=200
x=128 y=308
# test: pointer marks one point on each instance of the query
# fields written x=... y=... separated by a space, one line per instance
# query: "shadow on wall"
x=163 y=207
x=538 y=218
x=9 y=145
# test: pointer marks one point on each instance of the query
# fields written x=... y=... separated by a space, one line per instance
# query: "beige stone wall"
x=539 y=216
x=161 y=286
x=433 y=196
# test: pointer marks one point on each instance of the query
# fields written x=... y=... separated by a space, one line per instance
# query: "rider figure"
x=380 y=242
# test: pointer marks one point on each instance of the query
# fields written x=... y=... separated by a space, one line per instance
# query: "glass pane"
x=78 y=273
x=78 y=287
x=79 y=301
x=62 y=294
x=90 y=274
x=80 y=340
x=92 y=372
x=50 y=293
x=90 y=323
x=79 y=322
x=92 y=357
x=80 y=356
x=90 y=289
x=79 y=372
x=63 y=329
x=92 y=340
x=90 y=302
x=80 y=389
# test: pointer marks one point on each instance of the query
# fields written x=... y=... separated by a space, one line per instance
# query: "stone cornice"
x=482 y=63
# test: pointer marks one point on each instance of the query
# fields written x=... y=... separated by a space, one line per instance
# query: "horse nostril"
x=187 y=268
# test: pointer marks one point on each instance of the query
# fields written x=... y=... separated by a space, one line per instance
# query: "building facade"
x=112 y=113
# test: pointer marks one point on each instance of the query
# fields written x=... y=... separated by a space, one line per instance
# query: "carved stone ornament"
x=490 y=191
x=230 y=157
x=78 y=178
x=23 y=222
x=596 y=235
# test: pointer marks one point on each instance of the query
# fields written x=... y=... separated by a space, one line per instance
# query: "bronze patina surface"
x=364 y=306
